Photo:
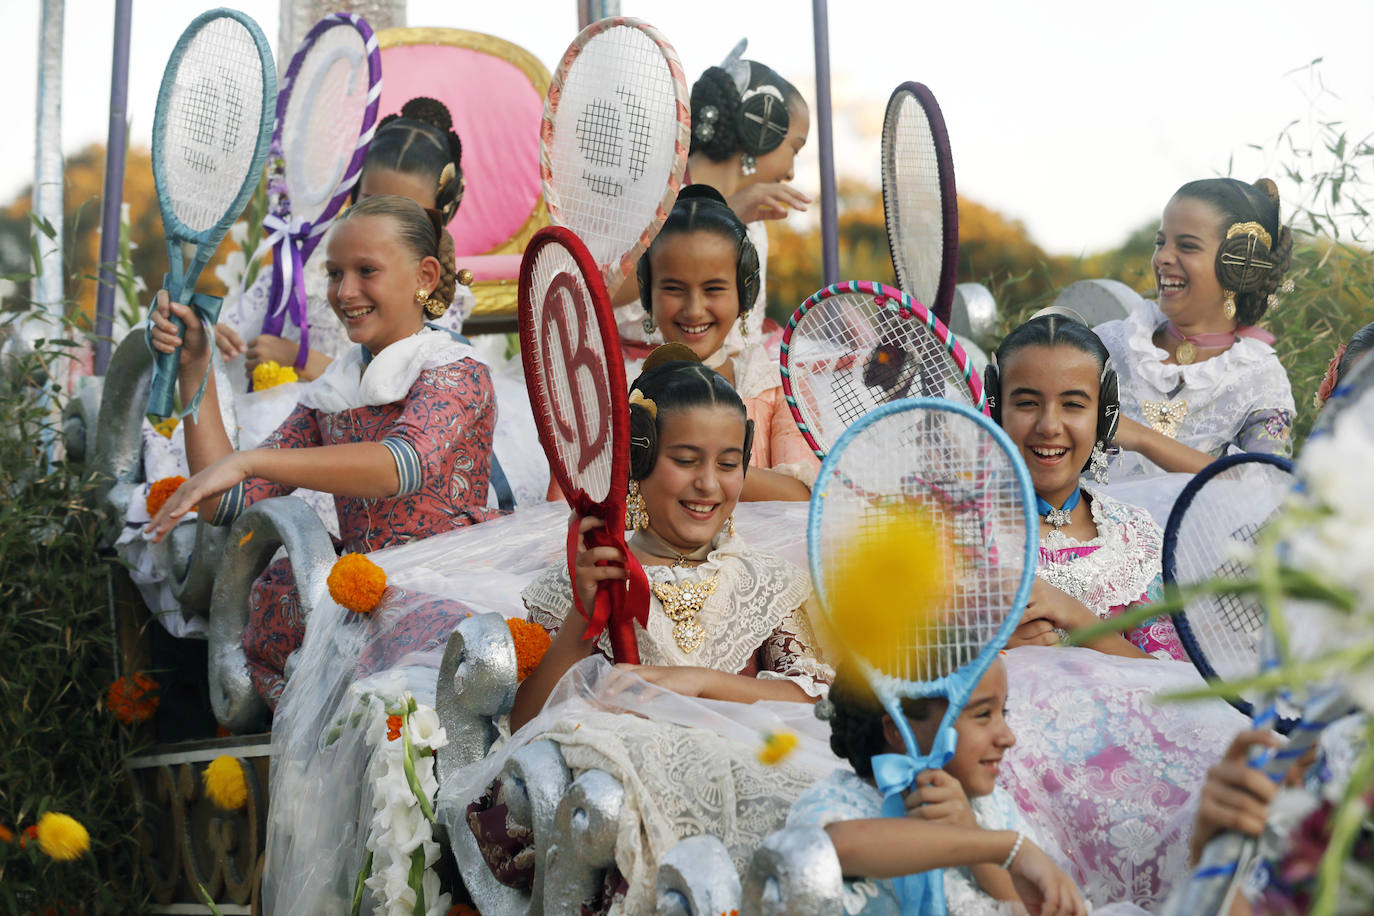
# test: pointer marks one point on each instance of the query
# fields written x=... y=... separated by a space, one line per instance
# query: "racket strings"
x=212 y=122
x=323 y=118
x=1226 y=514
x=571 y=377
x=613 y=150
x=848 y=355
x=936 y=467
x=912 y=170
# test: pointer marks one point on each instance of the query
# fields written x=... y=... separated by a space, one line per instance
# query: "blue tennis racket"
x=210 y=137
x=1225 y=505
x=948 y=474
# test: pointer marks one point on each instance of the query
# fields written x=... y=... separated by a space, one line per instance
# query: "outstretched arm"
x=1169 y=454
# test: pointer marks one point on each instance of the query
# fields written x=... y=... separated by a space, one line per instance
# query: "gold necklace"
x=682 y=603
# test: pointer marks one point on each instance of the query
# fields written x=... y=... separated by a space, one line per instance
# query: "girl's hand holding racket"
x=595 y=564
x=771 y=200
x=1043 y=886
x=165 y=337
x=939 y=797
x=1236 y=795
x=215 y=480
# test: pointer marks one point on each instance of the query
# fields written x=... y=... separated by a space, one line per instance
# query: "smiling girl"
x=399 y=428
x=956 y=817
x=699 y=280
x=1198 y=379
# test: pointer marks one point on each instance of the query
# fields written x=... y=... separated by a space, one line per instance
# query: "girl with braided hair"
x=1198 y=378
x=398 y=429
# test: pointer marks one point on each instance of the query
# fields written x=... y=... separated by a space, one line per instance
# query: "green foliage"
x=60 y=749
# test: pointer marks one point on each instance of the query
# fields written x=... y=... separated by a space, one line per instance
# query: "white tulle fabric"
x=321 y=806
x=1222 y=392
x=1106 y=773
x=757 y=595
x=1124 y=566
x=689 y=766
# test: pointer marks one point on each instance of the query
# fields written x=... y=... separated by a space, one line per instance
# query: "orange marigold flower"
x=356 y=583
x=133 y=698
x=161 y=491
x=6 y=834
x=462 y=909
x=531 y=642
x=29 y=835
x=393 y=727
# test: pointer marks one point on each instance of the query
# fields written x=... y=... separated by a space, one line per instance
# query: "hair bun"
x=702 y=192
x=668 y=353
x=430 y=111
x=1270 y=189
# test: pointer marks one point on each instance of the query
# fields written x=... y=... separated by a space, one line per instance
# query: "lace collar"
x=1123 y=565
x=755 y=591
x=1147 y=360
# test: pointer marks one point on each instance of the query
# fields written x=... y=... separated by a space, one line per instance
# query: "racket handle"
x=162 y=390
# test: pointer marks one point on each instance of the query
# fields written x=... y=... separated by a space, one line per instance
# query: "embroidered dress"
x=845 y=796
x=432 y=406
x=1239 y=400
x=688 y=765
x=1117 y=570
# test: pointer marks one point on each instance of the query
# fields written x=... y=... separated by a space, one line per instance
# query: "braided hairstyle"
x=720 y=129
x=421 y=141
x=675 y=379
x=1054 y=327
x=1245 y=264
x=856 y=725
x=421 y=231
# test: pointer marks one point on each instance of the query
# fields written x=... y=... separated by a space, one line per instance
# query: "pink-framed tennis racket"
x=614 y=139
x=326 y=116
x=920 y=205
x=575 y=375
x=855 y=345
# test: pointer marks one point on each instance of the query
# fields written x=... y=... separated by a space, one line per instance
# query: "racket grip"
x=162 y=390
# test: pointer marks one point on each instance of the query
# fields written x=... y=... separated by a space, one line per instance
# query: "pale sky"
x=1078 y=118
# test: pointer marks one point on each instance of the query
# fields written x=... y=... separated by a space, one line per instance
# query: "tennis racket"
x=210 y=136
x=919 y=202
x=952 y=469
x=1226 y=504
x=326 y=116
x=855 y=345
x=614 y=139
x=576 y=379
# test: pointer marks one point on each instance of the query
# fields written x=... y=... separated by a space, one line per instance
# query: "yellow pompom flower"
x=62 y=837
x=356 y=583
x=225 y=784
x=270 y=374
x=166 y=427
x=886 y=593
x=776 y=746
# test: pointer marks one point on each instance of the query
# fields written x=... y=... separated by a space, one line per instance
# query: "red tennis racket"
x=576 y=379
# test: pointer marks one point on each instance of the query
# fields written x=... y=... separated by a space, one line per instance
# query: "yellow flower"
x=62 y=837
x=777 y=746
x=166 y=427
x=356 y=583
x=271 y=374
x=224 y=783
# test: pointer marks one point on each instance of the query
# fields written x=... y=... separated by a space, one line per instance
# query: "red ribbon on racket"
x=619 y=604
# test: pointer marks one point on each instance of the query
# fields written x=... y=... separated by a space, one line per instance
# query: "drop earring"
x=1097 y=463
x=636 y=512
x=649 y=325
x=1229 y=309
x=748 y=164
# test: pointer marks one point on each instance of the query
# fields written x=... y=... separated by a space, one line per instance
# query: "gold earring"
x=421 y=296
x=435 y=308
x=730 y=527
x=1229 y=309
x=636 y=512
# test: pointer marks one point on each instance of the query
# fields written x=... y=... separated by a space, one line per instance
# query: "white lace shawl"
x=758 y=599
x=1122 y=569
x=1221 y=392
x=348 y=383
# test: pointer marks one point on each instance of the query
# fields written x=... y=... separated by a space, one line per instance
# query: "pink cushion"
x=492 y=266
x=496 y=112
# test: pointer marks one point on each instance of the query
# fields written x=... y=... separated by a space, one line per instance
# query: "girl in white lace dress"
x=1106 y=777
x=725 y=640
x=1198 y=379
x=991 y=859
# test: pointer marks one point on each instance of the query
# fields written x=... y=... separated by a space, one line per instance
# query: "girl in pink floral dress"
x=399 y=429
x=1105 y=773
